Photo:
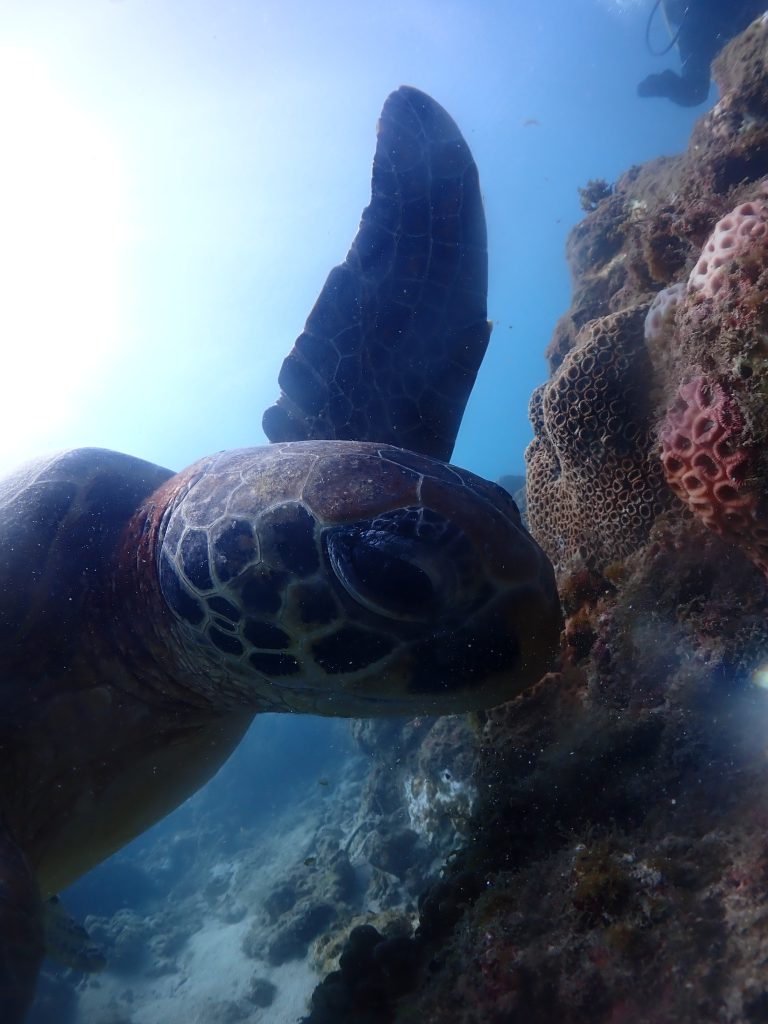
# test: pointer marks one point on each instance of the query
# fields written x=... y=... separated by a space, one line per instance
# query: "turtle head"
x=349 y=578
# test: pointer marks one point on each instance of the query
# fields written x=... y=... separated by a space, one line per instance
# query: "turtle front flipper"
x=21 y=932
x=392 y=347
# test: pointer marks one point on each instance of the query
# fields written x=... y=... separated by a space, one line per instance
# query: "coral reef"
x=615 y=864
x=618 y=844
x=670 y=287
x=713 y=436
x=373 y=972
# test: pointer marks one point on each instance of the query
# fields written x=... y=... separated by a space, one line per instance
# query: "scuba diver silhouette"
x=699 y=29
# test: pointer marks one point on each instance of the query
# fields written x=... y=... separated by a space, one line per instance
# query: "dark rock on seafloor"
x=391 y=851
x=291 y=939
x=261 y=991
x=373 y=972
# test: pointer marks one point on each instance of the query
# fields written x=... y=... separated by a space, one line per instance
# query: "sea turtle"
x=343 y=569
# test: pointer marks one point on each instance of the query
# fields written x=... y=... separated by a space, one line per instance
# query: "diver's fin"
x=392 y=347
x=66 y=940
x=21 y=932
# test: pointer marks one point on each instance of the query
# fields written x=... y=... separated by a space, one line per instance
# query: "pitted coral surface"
x=593 y=487
x=740 y=231
x=710 y=466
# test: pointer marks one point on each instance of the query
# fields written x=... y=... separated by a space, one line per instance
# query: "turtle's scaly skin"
x=146 y=616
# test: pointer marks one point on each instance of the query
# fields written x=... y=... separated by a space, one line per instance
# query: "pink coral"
x=708 y=462
x=742 y=230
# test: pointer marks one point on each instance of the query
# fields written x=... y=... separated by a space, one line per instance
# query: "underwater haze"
x=178 y=178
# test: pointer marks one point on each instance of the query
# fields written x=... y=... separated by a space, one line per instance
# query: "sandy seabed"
x=212 y=976
x=212 y=971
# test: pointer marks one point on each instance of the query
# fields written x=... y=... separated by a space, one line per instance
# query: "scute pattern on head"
x=363 y=579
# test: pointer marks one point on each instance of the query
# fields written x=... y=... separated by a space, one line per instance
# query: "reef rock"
x=669 y=311
x=616 y=863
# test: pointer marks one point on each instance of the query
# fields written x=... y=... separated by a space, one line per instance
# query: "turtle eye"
x=382 y=571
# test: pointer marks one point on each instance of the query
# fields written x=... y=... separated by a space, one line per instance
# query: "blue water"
x=231 y=147
x=282 y=760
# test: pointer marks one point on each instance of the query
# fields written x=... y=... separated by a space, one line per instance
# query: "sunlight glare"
x=62 y=231
x=760 y=676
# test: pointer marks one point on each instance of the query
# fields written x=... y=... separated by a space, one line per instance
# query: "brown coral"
x=593 y=487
